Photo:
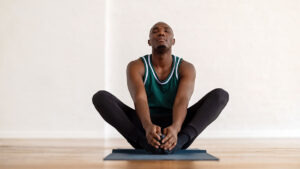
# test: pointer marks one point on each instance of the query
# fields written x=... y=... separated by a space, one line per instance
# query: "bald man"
x=161 y=85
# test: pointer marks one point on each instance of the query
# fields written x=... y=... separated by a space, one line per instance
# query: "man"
x=161 y=86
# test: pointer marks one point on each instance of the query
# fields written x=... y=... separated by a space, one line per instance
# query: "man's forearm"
x=142 y=110
x=179 y=114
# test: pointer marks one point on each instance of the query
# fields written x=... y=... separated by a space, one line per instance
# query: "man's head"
x=161 y=37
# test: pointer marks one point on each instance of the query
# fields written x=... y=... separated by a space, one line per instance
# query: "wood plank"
x=89 y=153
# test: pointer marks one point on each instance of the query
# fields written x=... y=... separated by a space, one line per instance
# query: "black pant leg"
x=203 y=113
x=120 y=116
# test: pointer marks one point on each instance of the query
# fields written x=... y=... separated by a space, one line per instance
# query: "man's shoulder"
x=186 y=67
x=136 y=65
x=185 y=64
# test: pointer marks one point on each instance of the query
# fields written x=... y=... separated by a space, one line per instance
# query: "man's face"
x=161 y=36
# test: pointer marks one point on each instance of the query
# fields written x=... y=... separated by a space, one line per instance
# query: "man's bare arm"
x=184 y=92
x=135 y=71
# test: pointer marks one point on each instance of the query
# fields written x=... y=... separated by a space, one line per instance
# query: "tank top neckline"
x=154 y=73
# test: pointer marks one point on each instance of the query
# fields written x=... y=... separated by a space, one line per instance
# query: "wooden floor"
x=88 y=154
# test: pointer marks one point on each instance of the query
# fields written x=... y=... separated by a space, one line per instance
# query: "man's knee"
x=221 y=95
x=99 y=96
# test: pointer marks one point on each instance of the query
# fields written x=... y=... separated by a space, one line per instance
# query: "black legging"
x=126 y=121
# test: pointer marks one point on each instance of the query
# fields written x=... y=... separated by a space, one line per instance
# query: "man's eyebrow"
x=156 y=27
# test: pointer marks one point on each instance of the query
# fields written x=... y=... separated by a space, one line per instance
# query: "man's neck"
x=162 y=60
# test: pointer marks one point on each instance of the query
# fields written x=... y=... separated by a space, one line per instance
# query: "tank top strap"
x=144 y=59
x=178 y=61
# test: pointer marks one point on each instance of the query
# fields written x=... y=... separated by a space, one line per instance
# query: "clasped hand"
x=153 y=133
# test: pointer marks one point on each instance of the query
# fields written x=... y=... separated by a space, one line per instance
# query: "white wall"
x=55 y=54
x=51 y=63
x=249 y=48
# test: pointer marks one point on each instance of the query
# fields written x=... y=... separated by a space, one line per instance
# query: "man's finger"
x=158 y=130
x=171 y=141
x=167 y=145
x=165 y=131
x=155 y=142
x=172 y=146
x=166 y=138
x=156 y=136
x=154 y=145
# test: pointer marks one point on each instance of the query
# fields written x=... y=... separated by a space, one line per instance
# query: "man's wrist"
x=177 y=127
x=146 y=123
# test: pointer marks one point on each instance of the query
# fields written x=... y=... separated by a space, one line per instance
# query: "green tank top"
x=160 y=94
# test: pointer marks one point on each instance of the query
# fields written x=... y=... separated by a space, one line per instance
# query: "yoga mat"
x=140 y=154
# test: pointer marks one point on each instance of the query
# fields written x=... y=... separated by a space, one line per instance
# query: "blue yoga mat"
x=140 y=154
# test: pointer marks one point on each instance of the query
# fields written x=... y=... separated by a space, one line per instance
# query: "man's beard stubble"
x=161 y=48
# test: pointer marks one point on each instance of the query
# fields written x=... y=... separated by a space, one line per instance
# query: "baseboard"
x=51 y=134
x=98 y=134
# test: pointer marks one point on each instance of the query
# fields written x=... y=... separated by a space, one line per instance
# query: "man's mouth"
x=161 y=39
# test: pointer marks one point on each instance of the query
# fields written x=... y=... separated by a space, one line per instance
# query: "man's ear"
x=149 y=43
x=173 y=41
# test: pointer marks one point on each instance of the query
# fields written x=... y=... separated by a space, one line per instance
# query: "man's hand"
x=153 y=133
x=170 y=141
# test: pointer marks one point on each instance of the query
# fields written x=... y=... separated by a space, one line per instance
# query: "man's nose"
x=161 y=33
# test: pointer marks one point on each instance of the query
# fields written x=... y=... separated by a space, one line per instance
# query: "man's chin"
x=161 y=47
